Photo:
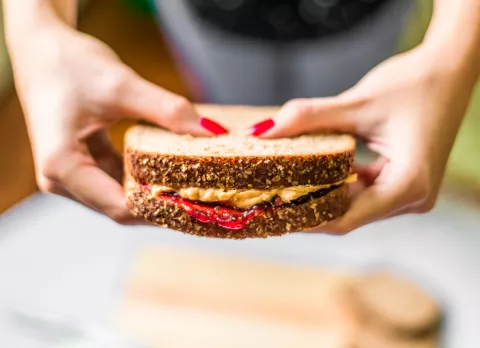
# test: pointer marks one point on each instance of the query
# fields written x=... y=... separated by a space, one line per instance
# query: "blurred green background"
x=464 y=165
x=140 y=6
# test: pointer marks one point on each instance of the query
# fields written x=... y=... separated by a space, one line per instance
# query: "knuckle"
x=297 y=106
x=111 y=85
x=178 y=107
x=421 y=190
x=426 y=206
x=49 y=169
x=416 y=187
x=357 y=97
x=340 y=229
x=179 y=110
x=55 y=166
x=45 y=185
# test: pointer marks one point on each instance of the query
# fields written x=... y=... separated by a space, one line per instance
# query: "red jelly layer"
x=227 y=217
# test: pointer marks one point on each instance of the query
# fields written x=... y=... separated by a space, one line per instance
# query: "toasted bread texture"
x=156 y=156
x=275 y=223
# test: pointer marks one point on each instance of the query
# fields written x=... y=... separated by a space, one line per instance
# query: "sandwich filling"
x=246 y=198
x=233 y=209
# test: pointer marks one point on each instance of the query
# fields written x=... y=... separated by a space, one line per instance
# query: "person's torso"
x=284 y=20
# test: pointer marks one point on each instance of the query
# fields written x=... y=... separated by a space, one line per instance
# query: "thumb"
x=303 y=116
x=146 y=101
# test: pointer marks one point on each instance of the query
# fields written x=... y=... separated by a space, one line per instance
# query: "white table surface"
x=59 y=256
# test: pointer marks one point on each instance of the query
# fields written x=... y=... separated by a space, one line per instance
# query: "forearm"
x=454 y=34
x=24 y=18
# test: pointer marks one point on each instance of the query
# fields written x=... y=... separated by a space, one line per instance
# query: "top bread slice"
x=156 y=156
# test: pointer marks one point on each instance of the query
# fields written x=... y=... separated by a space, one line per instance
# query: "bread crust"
x=283 y=220
x=240 y=172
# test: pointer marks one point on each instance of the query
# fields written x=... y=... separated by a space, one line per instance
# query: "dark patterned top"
x=283 y=20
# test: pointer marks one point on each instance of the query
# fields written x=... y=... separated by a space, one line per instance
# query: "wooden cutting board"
x=185 y=298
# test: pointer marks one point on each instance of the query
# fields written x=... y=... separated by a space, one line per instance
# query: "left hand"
x=408 y=110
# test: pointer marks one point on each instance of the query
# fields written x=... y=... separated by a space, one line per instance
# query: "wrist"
x=458 y=66
x=453 y=39
x=449 y=82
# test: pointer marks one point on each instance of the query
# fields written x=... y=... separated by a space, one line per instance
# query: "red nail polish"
x=212 y=126
x=261 y=127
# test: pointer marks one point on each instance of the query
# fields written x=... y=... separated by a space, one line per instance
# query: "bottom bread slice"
x=272 y=223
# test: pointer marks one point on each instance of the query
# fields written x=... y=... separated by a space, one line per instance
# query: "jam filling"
x=222 y=215
x=230 y=217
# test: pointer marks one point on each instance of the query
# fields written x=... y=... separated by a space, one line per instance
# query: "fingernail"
x=212 y=126
x=261 y=127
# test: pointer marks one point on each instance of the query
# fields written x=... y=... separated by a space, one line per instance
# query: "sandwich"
x=235 y=185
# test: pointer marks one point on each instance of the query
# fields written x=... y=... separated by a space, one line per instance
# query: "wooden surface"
x=183 y=298
x=17 y=178
x=179 y=298
x=138 y=42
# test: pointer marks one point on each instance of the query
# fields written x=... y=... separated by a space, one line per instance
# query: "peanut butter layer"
x=245 y=198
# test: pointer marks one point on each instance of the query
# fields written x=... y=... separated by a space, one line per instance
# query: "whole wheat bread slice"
x=274 y=223
x=156 y=156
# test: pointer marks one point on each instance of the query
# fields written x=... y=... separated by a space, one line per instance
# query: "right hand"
x=72 y=87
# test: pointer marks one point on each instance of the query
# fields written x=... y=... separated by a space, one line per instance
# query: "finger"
x=302 y=116
x=384 y=194
x=111 y=162
x=49 y=186
x=80 y=175
x=369 y=206
x=420 y=207
x=105 y=154
x=366 y=176
x=101 y=192
x=376 y=202
x=144 y=100
x=346 y=224
x=369 y=173
x=402 y=185
x=355 y=188
x=52 y=187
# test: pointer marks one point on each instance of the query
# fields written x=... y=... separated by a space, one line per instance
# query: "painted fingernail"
x=261 y=127
x=212 y=126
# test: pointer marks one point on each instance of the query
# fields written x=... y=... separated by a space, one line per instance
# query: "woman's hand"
x=72 y=88
x=408 y=110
